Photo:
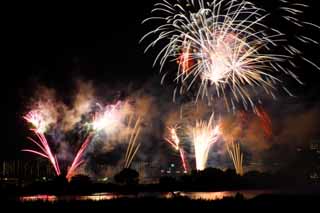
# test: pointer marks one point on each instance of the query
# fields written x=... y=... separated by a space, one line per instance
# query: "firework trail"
x=78 y=161
x=174 y=141
x=39 y=128
x=224 y=47
x=107 y=120
x=203 y=135
x=236 y=156
x=133 y=146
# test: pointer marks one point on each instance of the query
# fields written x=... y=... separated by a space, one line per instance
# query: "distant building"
x=315 y=146
x=25 y=169
x=148 y=172
x=315 y=149
x=172 y=170
x=20 y=172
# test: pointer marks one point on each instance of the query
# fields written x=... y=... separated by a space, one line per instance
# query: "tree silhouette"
x=127 y=177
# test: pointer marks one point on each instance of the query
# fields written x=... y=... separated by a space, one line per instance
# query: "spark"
x=35 y=118
x=40 y=125
x=236 y=156
x=174 y=141
x=203 y=135
x=78 y=161
x=133 y=146
x=108 y=119
x=224 y=48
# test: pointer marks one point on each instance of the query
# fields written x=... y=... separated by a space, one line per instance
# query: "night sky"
x=55 y=44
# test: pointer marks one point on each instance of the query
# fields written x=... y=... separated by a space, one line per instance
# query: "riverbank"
x=179 y=203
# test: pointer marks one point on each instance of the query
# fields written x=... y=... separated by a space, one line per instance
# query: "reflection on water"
x=53 y=198
x=47 y=198
x=221 y=195
x=168 y=195
x=99 y=197
x=207 y=195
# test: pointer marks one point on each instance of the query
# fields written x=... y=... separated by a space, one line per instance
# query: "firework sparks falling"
x=174 y=141
x=224 y=47
x=236 y=156
x=203 y=135
x=40 y=126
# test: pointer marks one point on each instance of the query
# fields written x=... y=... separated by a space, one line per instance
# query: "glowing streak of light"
x=35 y=118
x=174 y=141
x=183 y=160
x=77 y=161
x=224 y=47
x=108 y=119
x=236 y=156
x=203 y=135
x=133 y=146
x=185 y=60
x=45 y=151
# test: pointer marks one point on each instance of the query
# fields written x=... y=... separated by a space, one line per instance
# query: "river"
x=248 y=194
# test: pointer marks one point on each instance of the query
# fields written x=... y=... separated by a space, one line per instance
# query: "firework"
x=224 y=47
x=236 y=156
x=107 y=120
x=78 y=161
x=39 y=127
x=36 y=119
x=203 y=135
x=133 y=146
x=174 y=141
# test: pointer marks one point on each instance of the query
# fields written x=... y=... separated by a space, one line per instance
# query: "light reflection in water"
x=100 y=197
x=52 y=198
x=220 y=195
x=47 y=198
x=168 y=195
x=207 y=196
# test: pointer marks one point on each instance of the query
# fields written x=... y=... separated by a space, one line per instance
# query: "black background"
x=54 y=43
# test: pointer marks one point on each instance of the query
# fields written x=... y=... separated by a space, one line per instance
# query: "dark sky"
x=53 y=44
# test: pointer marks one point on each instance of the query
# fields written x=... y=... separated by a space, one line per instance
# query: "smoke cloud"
x=152 y=109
